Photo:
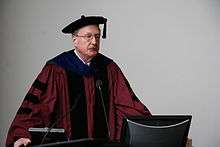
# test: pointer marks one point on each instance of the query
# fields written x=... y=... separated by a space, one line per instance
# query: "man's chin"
x=92 y=54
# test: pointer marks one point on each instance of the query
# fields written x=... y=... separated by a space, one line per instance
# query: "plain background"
x=167 y=49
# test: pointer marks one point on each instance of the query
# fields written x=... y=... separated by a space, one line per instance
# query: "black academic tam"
x=84 y=21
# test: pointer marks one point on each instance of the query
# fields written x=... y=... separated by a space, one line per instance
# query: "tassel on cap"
x=104 y=29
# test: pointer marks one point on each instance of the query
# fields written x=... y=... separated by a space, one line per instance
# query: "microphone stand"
x=66 y=114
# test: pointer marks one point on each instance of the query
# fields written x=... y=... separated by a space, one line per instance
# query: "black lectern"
x=88 y=142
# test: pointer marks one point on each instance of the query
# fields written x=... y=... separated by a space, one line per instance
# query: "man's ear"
x=74 y=40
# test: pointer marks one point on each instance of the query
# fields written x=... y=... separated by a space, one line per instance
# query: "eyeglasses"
x=89 y=37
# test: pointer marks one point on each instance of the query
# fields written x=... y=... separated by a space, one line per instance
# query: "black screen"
x=156 y=131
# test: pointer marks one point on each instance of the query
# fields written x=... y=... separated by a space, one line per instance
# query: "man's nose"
x=94 y=40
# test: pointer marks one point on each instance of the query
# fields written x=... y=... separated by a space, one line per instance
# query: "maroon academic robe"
x=66 y=83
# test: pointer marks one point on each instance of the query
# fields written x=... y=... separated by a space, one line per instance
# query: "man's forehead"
x=89 y=29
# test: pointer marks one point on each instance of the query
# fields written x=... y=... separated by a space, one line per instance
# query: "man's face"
x=87 y=42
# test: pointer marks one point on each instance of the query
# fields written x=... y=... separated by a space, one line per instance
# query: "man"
x=81 y=90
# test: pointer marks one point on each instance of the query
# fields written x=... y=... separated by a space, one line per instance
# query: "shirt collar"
x=87 y=63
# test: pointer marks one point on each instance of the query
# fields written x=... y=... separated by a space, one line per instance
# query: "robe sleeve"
x=37 y=107
x=125 y=101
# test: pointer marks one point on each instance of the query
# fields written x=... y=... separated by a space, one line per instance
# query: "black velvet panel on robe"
x=78 y=102
x=100 y=124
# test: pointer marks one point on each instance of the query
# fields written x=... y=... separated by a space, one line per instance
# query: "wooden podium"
x=88 y=142
x=137 y=131
x=92 y=143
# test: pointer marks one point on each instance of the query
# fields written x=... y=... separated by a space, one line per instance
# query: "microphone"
x=98 y=86
x=59 y=119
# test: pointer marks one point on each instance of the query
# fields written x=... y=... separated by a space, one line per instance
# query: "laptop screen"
x=156 y=130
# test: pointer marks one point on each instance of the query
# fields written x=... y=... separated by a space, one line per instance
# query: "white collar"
x=87 y=63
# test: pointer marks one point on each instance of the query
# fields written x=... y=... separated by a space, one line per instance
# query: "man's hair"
x=75 y=32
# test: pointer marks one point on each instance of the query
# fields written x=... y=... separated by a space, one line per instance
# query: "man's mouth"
x=93 y=48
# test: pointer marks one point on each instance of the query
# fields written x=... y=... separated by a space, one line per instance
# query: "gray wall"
x=168 y=50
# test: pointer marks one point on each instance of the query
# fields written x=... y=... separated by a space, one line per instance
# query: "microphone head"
x=98 y=83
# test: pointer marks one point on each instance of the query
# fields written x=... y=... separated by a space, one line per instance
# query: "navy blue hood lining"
x=68 y=60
